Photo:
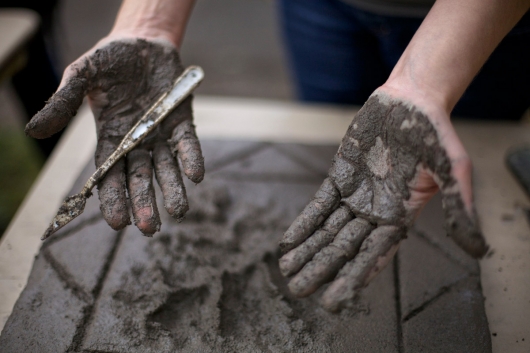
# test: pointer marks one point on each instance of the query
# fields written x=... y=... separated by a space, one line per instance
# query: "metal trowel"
x=74 y=205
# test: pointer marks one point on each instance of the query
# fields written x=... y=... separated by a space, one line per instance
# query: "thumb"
x=62 y=106
x=461 y=221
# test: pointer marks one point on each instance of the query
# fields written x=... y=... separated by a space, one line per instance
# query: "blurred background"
x=235 y=41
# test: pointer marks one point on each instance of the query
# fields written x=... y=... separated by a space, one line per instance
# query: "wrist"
x=422 y=84
x=155 y=19
x=431 y=101
x=143 y=32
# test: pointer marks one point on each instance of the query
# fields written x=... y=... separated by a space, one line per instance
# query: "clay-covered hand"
x=392 y=160
x=122 y=79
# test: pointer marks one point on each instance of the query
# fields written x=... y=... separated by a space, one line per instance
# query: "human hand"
x=122 y=78
x=392 y=160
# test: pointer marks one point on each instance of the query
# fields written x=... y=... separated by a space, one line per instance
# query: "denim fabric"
x=339 y=54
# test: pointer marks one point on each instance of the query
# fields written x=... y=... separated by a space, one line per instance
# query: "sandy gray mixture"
x=212 y=284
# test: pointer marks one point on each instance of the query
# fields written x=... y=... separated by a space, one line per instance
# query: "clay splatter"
x=212 y=284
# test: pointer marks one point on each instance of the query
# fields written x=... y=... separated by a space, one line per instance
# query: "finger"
x=295 y=259
x=111 y=189
x=462 y=224
x=168 y=176
x=343 y=173
x=186 y=146
x=375 y=252
x=325 y=201
x=141 y=191
x=331 y=259
x=62 y=106
x=454 y=178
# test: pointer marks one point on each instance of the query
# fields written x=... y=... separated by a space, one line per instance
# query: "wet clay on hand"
x=122 y=79
x=353 y=226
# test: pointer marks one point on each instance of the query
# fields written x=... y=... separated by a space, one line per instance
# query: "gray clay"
x=168 y=177
x=212 y=284
x=123 y=78
x=141 y=191
x=386 y=145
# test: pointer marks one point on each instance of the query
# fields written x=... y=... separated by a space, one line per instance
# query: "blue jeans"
x=340 y=54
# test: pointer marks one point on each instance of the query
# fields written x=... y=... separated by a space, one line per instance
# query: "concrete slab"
x=501 y=205
x=67 y=276
x=82 y=253
x=220 y=154
x=186 y=288
x=441 y=308
x=211 y=283
x=315 y=158
x=497 y=195
x=49 y=311
x=425 y=274
x=268 y=165
x=454 y=323
x=430 y=227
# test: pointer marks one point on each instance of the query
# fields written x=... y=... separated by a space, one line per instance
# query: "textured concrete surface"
x=211 y=283
x=21 y=242
x=48 y=314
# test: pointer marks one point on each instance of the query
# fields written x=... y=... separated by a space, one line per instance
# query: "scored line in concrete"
x=79 y=335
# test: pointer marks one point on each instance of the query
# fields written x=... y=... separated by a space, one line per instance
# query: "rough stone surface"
x=212 y=282
x=316 y=158
x=84 y=253
x=425 y=273
x=267 y=165
x=441 y=305
x=218 y=153
x=79 y=251
x=454 y=323
x=430 y=226
x=45 y=316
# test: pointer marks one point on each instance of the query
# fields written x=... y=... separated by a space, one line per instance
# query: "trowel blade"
x=72 y=207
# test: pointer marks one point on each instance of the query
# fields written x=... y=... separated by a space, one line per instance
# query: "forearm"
x=453 y=42
x=154 y=19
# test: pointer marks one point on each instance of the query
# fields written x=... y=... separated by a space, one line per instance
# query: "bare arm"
x=454 y=41
x=448 y=50
x=153 y=19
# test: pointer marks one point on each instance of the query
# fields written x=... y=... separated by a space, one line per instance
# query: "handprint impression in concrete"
x=354 y=224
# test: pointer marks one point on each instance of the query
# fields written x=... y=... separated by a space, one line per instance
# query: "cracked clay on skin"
x=123 y=78
x=353 y=225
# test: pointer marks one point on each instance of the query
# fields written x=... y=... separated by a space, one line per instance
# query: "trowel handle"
x=183 y=87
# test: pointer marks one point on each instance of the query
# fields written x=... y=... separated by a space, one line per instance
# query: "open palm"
x=122 y=78
x=390 y=163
